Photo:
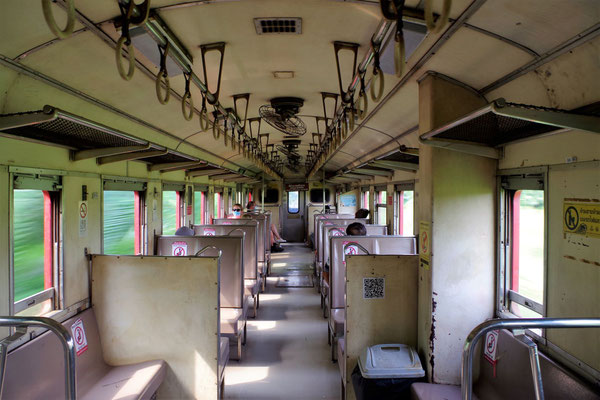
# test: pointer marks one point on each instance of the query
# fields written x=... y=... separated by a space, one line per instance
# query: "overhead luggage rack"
x=501 y=122
x=87 y=139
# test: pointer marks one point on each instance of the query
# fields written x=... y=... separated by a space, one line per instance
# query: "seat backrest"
x=342 y=245
x=264 y=231
x=322 y=225
x=245 y=220
x=318 y=217
x=511 y=377
x=376 y=230
x=250 y=242
x=36 y=370
x=231 y=269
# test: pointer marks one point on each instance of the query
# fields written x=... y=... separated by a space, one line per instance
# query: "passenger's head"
x=237 y=210
x=251 y=205
x=356 y=229
x=184 y=231
x=362 y=213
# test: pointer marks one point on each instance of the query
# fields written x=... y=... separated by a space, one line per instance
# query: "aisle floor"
x=286 y=355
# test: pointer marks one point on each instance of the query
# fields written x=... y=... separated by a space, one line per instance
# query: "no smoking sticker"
x=209 y=232
x=179 y=249
x=78 y=332
x=491 y=346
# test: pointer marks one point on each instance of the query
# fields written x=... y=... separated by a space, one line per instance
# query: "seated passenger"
x=237 y=211
x=184 y=231
x=275 y=236
x=251 y=206
x=362 y=213
x=354 y=229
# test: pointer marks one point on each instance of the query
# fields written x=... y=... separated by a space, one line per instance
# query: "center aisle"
x=287 y=355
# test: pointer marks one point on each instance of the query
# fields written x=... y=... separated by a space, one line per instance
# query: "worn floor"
x=287 y=355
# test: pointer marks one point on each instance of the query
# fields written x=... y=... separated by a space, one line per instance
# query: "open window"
x=522 y=261
x=218 y=203
x=36 y=239
x=271 y=196
x=316 y=196
x=200 y=209
x=381 y=205
x=405 y=210
x=173 y=195
x=124 y=217
x=364 y=197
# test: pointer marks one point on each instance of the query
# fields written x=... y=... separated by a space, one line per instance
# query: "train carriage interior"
x=285 y=199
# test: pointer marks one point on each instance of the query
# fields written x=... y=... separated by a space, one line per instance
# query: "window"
x=271 y=196
x=119 y=222
x=380 y=207
x=35 y=240
x=293 y=205
x=124 y=217
x=316 y=196
x=218 y=205
x=523 y=245
x=170 y=212
x=405 y=222
x=364 y=199
x=200 y=207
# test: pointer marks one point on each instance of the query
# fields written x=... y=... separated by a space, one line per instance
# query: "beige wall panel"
x=75 y=262
x=562 y=83
x=464 y=197
x=135 y=298
x=476 y=59
x=538 y=24
x=552 y=150
x=455 y=193
x=4 y=246
x=378 y=321
x=573 y=262
x=7 y=78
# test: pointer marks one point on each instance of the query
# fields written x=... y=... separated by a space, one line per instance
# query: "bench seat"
x=128 y=382
x=35 y=370
x=432 y=391
x=341 y=351
x=231 y=321
x=223 y=356
x=336 y=321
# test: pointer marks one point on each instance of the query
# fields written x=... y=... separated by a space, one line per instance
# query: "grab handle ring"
x=204 y=122
x=163 y=76
x=431 y=25
x=362 y=111
x=49 y=17
x=399 y=54
x=377 y=78
x=187 y=115
x=123 y=41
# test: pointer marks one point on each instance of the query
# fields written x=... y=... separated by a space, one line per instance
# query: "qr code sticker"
x=373 y=288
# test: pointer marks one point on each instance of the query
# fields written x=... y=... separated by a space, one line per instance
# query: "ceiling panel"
x=476 y=59
x=537 y=24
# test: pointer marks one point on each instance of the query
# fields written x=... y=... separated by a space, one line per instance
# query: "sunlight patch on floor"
x=251 y=374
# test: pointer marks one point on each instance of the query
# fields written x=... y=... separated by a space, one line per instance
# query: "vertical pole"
x=48 y=239
x=323 y=190
x=137 y=222
x=262 y=197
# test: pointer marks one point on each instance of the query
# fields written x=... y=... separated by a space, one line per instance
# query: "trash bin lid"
x=390 y=361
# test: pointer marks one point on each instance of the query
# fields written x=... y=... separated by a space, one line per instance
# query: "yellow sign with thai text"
x=581 y=218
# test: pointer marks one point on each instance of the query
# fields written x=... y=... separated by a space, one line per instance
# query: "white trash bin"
x=386 y=371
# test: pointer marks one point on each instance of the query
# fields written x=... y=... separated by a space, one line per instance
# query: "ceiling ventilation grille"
x=265 y=26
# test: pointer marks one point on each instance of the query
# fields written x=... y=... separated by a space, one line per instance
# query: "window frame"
x=377 y=204
x=140 y=217
x=180 y=190
x=50 y=185
x=200 y=216
x=399 y=217
x=509 y=182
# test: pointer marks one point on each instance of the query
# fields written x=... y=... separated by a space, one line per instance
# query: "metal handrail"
x=357 y=245
x=65 y=339
x=510 y=323
x=202 y=250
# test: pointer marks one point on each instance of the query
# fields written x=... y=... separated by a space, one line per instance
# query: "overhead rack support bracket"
x=130 y=156
x=106 y=151
x=175 y=165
